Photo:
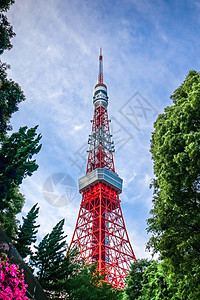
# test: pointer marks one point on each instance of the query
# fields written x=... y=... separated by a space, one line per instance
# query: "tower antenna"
x=100 y=76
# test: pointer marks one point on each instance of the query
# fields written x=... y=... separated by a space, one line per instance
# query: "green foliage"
x=10 y=92
x=9 y=208
x=156 y=284
x=134 y=281
x=16 y=157
x=175 y=221
x=188 y=285
x=5 y=4
x=26 y=234
x=10 y=97
x=64 y=284
x=89 y=284
x=6 y=30
x=49 y=258
x=15 y=164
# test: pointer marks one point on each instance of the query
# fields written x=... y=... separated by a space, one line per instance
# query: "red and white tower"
x=100 y=231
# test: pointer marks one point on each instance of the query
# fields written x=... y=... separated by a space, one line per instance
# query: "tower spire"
x=100 y=76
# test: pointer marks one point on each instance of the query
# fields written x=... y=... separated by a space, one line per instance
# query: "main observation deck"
x=101 y=174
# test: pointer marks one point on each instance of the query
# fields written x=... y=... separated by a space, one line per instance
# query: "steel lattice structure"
x=100 y=231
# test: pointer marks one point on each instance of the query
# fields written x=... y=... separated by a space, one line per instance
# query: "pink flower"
x=12 y=283
x=2 y=276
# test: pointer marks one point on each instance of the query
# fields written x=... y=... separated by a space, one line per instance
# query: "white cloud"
x=78 y=127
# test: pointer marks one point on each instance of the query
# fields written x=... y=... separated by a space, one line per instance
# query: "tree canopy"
x=134 y=281
x=157 y=283
x=11 y=95
x=26 y=234
x=175 y=148
x=6 y=30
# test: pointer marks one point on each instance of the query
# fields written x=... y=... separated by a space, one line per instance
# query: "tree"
x=10 y=92
x=17 y=149
x=175 y=148
x=134 y=281
x=157 y=284
x=11 y=95
x=89 y=284
x=15 y=164
x=6 y=30
x=49 y=257
x=26 y=234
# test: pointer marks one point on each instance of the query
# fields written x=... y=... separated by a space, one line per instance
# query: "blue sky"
x=148 y=49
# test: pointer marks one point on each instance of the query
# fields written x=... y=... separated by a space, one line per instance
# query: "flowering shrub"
x=12 y=285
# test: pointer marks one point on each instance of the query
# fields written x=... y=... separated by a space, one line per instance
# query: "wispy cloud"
x=148 y=48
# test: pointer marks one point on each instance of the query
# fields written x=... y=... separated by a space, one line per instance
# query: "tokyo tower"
x=100 y=231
